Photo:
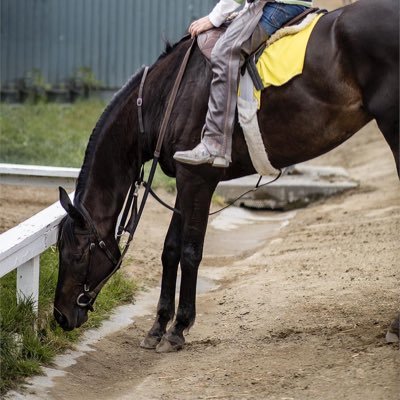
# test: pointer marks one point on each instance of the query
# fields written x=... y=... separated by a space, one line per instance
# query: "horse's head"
x=86 y=262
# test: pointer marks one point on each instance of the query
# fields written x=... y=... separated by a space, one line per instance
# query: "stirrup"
x=220 y=162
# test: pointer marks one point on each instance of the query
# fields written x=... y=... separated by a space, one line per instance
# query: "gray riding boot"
x=242 y=37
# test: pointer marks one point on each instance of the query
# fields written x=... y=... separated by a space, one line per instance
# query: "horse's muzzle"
x=69 y=324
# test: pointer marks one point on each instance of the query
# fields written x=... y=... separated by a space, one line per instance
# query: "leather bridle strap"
x=93 y=229
x=92 y=294
x=133 y=223
x=133 y=191
x=139 y=101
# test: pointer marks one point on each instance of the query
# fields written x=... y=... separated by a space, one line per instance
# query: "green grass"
x=53 y=134
x=47 y=134
x=27 y=341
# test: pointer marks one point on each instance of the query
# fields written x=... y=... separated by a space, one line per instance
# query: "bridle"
x=87 y=297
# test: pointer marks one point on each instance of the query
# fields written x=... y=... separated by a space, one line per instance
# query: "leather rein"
x=88 y=296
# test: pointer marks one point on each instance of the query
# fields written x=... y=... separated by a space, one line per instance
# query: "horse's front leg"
x=166 y=304
x=195 y=197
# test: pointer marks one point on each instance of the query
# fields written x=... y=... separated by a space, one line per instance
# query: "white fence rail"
x=21 y=246
x=36 y=175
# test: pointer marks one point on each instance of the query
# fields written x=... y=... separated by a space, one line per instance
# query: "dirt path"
x=302 y=317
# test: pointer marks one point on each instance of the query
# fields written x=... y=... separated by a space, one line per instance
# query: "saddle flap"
x=206 y=40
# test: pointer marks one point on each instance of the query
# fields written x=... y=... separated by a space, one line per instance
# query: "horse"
x=350 y=77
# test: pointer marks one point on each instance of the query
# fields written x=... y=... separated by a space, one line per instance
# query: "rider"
x=245 y=34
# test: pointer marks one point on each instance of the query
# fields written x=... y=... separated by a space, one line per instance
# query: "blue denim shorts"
x=277 y=14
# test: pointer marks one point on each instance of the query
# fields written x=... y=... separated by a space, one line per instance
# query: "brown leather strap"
x=139 y=101
x=299 y=17
x=171 y=100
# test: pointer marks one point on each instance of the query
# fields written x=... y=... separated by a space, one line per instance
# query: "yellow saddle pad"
x=284 y=59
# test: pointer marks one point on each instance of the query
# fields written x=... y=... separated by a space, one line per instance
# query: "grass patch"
x=46 y=133
x=53 y=134
x=28 y=341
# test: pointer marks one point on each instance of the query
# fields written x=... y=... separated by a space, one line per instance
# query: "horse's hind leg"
x=389 y=126
x=166 y=304
x=384 y=106
x=195 y=194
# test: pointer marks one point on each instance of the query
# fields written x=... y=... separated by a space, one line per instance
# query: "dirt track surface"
x=303 y=316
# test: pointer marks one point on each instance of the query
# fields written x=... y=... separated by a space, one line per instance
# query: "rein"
x=87 y=297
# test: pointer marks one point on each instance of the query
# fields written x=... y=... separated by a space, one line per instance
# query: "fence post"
x=28 y=281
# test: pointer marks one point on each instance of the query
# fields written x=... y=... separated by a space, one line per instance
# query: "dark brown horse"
x=351 y=76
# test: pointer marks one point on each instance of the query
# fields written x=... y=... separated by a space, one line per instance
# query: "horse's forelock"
x=65 y=231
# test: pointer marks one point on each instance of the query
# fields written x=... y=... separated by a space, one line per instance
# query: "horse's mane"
x=114 y=104
x=118 y=100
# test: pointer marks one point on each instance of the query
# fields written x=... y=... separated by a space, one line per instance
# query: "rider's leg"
x=220 y=117
x=243 y=37
x=275 y=15
x=225 y=60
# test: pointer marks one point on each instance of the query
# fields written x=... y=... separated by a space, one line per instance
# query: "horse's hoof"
x=169 y=345
x=391 y=337
x=150 y=342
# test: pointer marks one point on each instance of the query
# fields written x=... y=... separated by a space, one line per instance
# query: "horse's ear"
x=67 y=205
x=65 y=201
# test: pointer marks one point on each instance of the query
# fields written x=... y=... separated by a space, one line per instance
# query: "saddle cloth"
x=284 y=56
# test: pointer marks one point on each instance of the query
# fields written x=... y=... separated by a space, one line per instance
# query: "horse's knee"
x=172 y=244
x=171 y=253
x=191 y=256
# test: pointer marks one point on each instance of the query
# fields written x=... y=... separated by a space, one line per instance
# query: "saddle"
x=206 y=42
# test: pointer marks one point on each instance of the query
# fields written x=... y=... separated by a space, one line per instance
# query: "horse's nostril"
x=60 y=318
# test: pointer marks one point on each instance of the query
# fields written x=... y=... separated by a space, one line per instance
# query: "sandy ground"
x=301 y=315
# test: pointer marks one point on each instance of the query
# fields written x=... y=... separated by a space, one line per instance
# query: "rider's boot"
x=201 y=155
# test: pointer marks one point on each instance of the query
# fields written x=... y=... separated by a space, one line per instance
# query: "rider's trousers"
x=244 y=36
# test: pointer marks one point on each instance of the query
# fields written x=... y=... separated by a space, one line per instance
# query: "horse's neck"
x=111 y=167
x=113 y=162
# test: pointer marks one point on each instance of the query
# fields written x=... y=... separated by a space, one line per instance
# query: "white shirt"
x=226 y=7
x=222 y=10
